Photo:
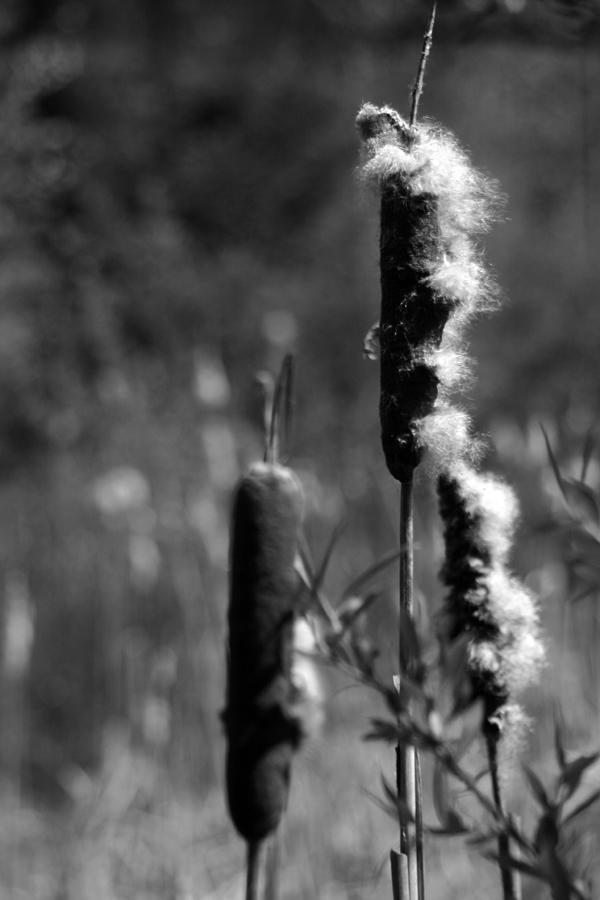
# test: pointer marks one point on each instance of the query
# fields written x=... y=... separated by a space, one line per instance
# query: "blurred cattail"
x=484 y=601
x=432 y=202
x=263 y=724
x=262 y=730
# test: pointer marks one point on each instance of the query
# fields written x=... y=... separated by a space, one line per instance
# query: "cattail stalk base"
x=399 y=867
x=406 y=759
x=254 y=865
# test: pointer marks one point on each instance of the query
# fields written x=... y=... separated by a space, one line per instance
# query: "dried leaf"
x=382 y=730
x=483 y=837
x=581 y=500
x=454 y=826
x=322 y=570
x=581 y=807
x=537 y=788
x=352 y=608
x=572 y=773
x=557 y=474
x=511 y=862
x=390 y=792
x=362 y=580
x=585 y=592
x=403 y=693
x=588 y=448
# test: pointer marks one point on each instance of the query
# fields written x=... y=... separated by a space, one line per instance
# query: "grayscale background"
x=179 y=207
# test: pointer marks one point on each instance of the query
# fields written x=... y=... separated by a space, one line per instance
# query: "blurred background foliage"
x=179 y=207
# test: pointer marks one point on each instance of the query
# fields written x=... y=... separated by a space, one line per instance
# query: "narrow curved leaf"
x=573 y=772
x=581 y=500
x=581 y=807
x=358 y=583
x=557 y=473
x=537 y=788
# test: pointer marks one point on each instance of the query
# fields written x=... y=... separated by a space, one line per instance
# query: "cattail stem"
x=407 y=781
x=272 y=867
x=419 y=826
x=418 y=85
x=508 y=889
x=517 y=877
x=254 y=858
x=400 y=887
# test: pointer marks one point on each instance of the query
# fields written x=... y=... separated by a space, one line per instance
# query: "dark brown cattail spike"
x=432 y=203
x=262 y=725
x=487 y=605
x=412 y=318
x=414 y=311
x=261 y=729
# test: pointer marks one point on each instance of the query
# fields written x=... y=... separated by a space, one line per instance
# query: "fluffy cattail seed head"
x=484 y=601
x=432 y=201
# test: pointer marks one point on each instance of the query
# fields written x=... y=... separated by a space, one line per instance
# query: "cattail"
x=262 y=730
x=484 y=601
x=432 y=202
x=489 y=606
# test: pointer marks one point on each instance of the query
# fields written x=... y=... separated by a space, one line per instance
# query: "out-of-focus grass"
x=131 y=832
x=150 y=822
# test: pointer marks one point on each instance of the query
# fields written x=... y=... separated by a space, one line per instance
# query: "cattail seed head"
x=432 y=202
x=484 y=601
x=262 y=729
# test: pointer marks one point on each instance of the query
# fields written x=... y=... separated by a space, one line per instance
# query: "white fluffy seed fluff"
x=515 y=611
x=494 y=502
x=430 y=161
x=514 y=657
x=447 y=436
x=451 y=365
